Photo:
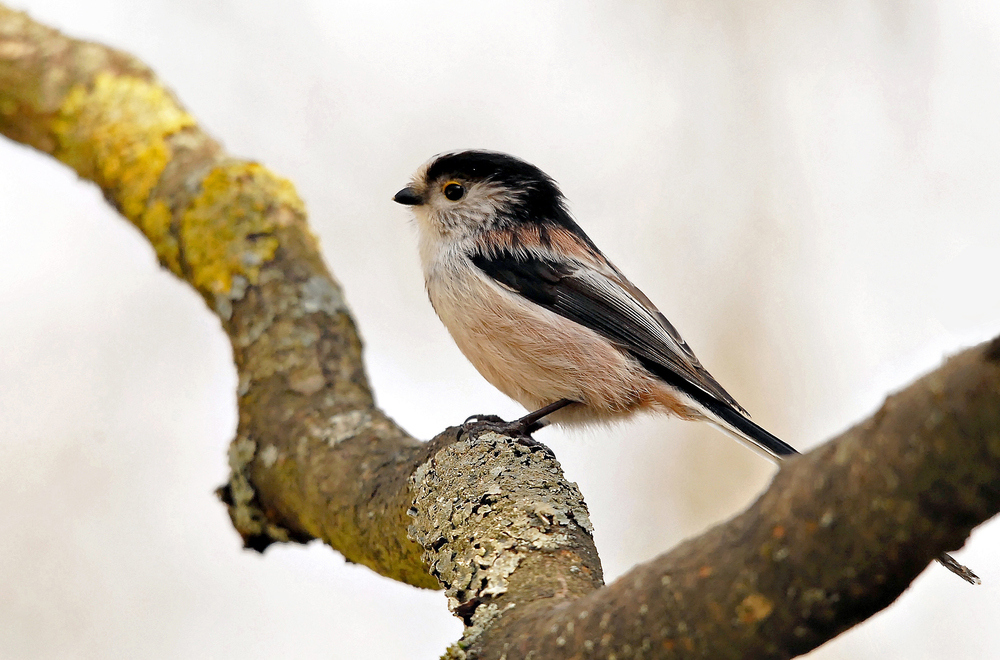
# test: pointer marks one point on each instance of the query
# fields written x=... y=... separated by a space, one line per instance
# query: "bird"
x=544 y=315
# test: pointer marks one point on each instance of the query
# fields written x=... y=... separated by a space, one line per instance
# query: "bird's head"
x=465 y=192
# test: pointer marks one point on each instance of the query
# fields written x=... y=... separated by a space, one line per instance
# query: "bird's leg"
x=536 y=420
x=519 y=428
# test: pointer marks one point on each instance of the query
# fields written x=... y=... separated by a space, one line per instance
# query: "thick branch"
x=840 y=533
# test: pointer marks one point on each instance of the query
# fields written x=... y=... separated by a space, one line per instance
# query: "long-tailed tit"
x=541 y=312
x=544 y=316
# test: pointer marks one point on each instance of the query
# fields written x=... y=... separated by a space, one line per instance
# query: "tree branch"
x=838 y=535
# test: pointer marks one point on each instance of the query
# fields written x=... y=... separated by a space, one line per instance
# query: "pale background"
x=806 y=188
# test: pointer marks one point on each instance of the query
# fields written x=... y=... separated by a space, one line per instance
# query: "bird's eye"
x=454 y=191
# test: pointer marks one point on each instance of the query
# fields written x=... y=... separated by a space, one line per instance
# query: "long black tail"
x=742 y=427
x=727 y=417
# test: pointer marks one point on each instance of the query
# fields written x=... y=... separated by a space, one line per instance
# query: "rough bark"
x=839 y=534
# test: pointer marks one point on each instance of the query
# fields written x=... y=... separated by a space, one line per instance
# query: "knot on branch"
x=240 y=498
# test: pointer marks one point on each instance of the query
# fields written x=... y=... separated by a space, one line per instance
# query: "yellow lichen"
x=114 y=133
x=155 y=224
x=229 y=228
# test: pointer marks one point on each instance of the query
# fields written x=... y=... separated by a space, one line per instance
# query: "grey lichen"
x=320 y=294
x=346 y=425
x=480 y=504
x=240 y=497
x=269 y=456
x=286 y=300
x=224 y=301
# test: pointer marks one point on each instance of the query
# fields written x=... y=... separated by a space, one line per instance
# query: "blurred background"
x=806 y=188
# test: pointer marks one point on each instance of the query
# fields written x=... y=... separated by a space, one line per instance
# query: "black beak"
x=409 y=197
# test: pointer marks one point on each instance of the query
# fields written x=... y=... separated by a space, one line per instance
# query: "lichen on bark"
x=482 y=503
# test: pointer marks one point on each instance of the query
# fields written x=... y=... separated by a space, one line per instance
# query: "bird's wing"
x=599 y=297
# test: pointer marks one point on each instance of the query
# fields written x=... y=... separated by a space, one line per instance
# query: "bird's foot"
x=519 y=428
x=515 y=429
